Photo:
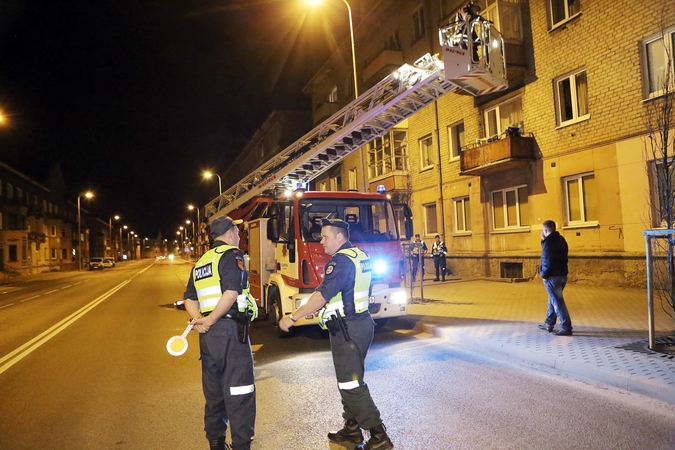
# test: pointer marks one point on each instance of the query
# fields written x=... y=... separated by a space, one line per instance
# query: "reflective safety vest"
x=207 y=280
x=361 y=263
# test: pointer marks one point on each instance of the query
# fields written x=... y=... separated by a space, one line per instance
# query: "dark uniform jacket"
x=553 y=256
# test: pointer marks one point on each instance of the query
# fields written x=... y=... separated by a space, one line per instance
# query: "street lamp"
x=188 y=222
x=110 y=232
x=122 y=242
x=208 y=175
x=197 y=239
x=79 y=226
x=356 y=84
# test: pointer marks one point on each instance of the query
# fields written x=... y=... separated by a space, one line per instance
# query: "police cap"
x=221 y=225
x=339 y=223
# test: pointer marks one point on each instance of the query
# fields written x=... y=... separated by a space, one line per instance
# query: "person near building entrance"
x=553 y=272
x=342 y=302
x=218 y=300
x=439 y=251
x=417 y=250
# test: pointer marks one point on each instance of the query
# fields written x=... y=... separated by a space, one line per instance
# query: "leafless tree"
x=660 y=153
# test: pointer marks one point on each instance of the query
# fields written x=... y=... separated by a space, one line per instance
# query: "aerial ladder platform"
x=473 y=61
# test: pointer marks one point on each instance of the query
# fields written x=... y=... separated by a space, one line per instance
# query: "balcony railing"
x=497 y=155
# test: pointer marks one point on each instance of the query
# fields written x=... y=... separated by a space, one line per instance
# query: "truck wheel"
x=276 y=314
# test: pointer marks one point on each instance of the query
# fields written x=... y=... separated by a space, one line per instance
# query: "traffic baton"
x=178 y=345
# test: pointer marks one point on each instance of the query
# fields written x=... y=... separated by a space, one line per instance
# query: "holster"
x=338 y=323
x=243 y=325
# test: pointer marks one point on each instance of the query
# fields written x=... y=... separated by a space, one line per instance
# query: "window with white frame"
x=426 y=153
x=581 y=200
x=462 y=212
x=510 y=208
x=430 y=219
x=336 y=183
x=656 y=63
x=571 y=98
x=418 y=25
x=502 y=116
x=352 y=180
x=388 y=153
x=456 y=139
x=562 y=10
x=53 y=253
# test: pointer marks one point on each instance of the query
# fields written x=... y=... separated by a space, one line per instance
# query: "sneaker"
x=546 y=327
x=564 y=333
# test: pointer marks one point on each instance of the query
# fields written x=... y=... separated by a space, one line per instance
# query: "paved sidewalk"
x=609 y=346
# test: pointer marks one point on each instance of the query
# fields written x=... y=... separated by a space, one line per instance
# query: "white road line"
x=29 y=298
x=66 y=287
x=6 y=305
x=27 y=348
x=55 y=290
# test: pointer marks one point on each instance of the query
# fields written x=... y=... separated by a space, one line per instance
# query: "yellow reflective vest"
x=206 y=278
x=362 y=280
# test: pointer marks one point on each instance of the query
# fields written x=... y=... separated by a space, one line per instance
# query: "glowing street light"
x=208 y=175
x=116 y=217
x=79 y=226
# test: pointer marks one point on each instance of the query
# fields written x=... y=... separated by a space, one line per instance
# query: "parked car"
x=108 y=262
x=96 y=263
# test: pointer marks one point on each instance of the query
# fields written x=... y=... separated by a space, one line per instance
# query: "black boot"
x=378 y=440
x=350 y=433
x=217 y=444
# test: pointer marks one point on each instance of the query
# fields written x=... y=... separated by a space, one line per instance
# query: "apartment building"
x=38 y=227
x=566 y=140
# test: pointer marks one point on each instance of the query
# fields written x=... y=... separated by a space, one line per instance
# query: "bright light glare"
x=398 y=297
x=288 y=193
x=379 y=267
x=300 y=301
x=171 y=257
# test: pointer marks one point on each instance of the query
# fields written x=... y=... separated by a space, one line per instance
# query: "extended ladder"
x=371 y=115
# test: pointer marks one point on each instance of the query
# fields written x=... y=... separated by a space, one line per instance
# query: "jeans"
x=556 y=303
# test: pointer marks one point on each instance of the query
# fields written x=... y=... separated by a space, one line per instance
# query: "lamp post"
x=208 y=175
x=199 y=230
x=116 y=217
x=122 y=242
x=129 y=233
x=79 y=227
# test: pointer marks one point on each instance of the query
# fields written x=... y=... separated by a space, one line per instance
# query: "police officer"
x=438 y=252
x=417 y=247
x=217 y=299
x=342 y=299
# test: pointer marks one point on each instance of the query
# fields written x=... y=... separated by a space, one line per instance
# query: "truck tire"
x=276 y=314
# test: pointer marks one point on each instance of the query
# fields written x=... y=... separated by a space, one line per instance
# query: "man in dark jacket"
x=553 y=271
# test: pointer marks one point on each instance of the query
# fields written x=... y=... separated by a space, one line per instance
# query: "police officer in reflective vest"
x=342 y=302
x=438 y=252
x=217 y=299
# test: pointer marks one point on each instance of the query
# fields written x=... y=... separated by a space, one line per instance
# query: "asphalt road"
x=83 y=365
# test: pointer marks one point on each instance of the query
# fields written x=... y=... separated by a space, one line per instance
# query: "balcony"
x=382 y=65
x=498 y=155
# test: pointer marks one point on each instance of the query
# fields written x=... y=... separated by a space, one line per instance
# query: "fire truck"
x=281 y=217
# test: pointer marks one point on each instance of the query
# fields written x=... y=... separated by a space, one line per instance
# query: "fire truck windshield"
x=369 y=220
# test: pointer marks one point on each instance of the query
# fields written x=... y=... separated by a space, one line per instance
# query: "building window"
x=19 y=192
x=10 y=191
x=392 y=43
x=53 y=230
x=388 y=153
x=53 y=253
x=656 y=63
x=353 y=186
x=510 y=208
x=13 y=254
x=562 y=10
x=571 y=98
x=64 y=253
x=502 y=116
x=44 y=205
x=418 y=25
x=430 y=219
x=581 y=199
x=333 y=96
x=462 y=215
x=336 y=183
x=456 y=140
x=322 y=186
x=426 y=153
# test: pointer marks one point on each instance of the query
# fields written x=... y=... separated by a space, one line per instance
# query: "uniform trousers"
x=439 y=265
x=349 y=361
x=228 y=383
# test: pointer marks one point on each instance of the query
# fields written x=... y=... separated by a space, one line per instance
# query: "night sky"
x=135 y=99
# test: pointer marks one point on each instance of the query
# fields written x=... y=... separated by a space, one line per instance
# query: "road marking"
x=66 y=287
x=27 y=348
x=29 y=298
x=6 y=305
x=55 y=290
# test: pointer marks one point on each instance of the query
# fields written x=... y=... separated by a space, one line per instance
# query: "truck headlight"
x=300 y=301
x=398 y=297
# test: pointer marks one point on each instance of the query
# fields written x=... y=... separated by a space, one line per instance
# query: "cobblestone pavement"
x=610 y=342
